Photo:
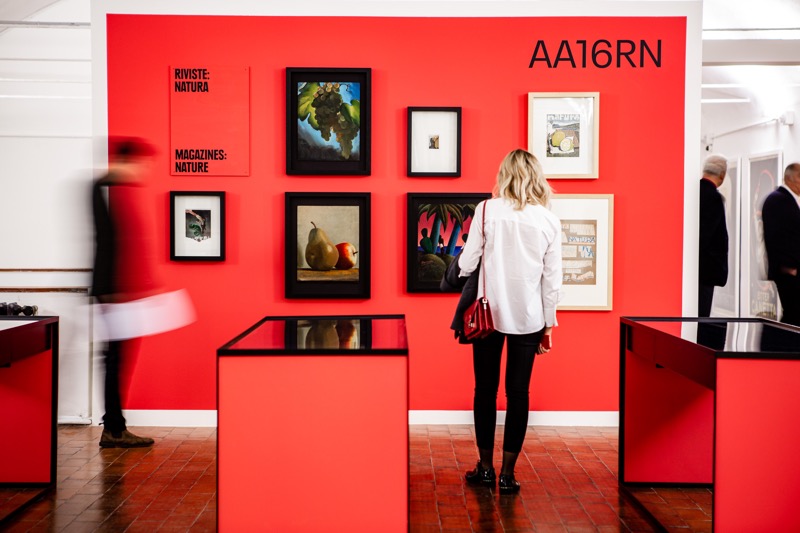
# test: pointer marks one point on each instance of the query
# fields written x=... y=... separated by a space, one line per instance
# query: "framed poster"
x=328 y=121
x=564 y=133
x=197 y=226
x=726 y=299
x=587 y=250
x=434 y=141
x=327 y=245
x=438 y=225
x=759 y=295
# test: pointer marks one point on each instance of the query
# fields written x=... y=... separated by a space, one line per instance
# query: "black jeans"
x=113 y=420
x=519 y=366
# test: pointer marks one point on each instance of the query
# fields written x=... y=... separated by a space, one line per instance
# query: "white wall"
x=46 y=155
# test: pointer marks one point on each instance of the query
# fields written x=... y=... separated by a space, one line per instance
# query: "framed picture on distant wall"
x=587 y=251
x=759 y=295
x=197 y=226
x=328 y=114
x=564 y=133
x=726 y=299
x=327 y=245
x=438 y=226
x=434 y=141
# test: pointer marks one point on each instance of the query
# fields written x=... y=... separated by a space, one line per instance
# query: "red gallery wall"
x=480 y=64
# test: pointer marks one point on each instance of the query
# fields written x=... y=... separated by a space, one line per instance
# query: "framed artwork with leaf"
x=328 y=113
x=327 y=245
x=438 y=226
x=197 y=230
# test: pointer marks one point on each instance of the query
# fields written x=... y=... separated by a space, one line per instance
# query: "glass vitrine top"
x=751 y=336
x=329 y=335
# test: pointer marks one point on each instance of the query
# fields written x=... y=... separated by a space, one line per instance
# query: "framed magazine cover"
x=587 y=250
x=197 y=230
x=564 y=133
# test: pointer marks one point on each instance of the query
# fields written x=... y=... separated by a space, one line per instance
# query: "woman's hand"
x=546 y=343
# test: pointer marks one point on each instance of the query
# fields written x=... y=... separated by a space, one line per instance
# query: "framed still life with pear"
x=327 y=245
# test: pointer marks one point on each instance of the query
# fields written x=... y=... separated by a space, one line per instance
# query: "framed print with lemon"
x=563 y=133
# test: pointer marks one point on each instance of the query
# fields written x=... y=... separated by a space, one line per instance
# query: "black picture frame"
x=197 y=225
x=342 y=218
x=434 y=142
x=426 y=262
x=307 y=151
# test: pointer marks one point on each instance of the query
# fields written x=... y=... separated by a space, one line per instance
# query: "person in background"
x=123 y=268
x=522 y=269
x=781 y=218
x=713 y=245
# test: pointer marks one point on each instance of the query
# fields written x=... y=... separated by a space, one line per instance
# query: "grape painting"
x=329 y=121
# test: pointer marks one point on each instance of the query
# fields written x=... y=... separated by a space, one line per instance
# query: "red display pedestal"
x=313 y=426
x=713 y=402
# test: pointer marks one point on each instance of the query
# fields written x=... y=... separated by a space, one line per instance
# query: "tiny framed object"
x=587 y=250
x=564 y=133
x=328 y=113
x=434 y=142
x=197 y=226
x=438 y=226
x=327 y=245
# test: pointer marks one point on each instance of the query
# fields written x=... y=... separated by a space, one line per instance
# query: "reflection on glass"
x=328 y=334
x=712 y=334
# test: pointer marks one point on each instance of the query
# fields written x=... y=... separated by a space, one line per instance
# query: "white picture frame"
x=587 y=249
x=564 y=133
x=727 y=299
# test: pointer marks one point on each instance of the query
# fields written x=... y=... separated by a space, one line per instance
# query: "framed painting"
x=434 y=142
x=587 y=250
x=564 y=133
x=197 y=226
x=438 y=225
x=328 y=114
x=327 y=245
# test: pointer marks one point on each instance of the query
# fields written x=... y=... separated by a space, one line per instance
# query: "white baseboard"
x=188 y=418
x=535 y=418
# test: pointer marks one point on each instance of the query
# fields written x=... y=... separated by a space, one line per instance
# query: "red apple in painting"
x=347 y=256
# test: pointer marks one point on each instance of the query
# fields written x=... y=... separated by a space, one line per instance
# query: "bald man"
x=713 y=250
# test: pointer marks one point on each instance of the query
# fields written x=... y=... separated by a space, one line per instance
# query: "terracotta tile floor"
x=568 y=480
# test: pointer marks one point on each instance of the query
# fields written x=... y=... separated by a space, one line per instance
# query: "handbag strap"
x=483 y=247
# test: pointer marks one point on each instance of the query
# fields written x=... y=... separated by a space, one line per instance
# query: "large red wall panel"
x=480 y=64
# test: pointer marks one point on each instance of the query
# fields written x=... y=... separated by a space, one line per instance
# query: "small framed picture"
x=587 y=250
x=198 y=226
x=438 y=226
x=563 y=133
x=327 y=245
x=434 y=141
x=328 y=114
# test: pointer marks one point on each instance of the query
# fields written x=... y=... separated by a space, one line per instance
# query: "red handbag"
x=478 y=321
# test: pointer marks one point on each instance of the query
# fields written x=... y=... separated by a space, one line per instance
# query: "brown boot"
x=124 y=439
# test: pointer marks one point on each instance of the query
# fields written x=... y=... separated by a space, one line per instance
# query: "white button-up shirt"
x=522 y=264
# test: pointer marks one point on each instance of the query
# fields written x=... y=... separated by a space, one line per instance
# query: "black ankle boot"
x=481 y=476
x=508 y=485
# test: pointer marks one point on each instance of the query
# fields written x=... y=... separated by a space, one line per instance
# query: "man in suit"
x=713 y=248
x=781 y=218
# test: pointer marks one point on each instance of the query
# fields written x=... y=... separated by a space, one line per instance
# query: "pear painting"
x=327 y=243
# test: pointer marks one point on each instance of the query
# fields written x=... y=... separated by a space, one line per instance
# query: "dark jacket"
x=781 y=218
x=468 y=287
x=713 y=236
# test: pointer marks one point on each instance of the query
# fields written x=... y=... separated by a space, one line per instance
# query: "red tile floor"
x=568 y=477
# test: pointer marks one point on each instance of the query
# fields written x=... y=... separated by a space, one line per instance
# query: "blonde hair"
x=521 y=180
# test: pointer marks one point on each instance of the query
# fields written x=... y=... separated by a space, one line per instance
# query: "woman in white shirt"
x=522 y=269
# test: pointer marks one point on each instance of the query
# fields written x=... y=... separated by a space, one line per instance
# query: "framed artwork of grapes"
x=327 y=245
x=198 y=226
x=563 y=133
x=438 y=226
x=434 y=141
x=328 y=113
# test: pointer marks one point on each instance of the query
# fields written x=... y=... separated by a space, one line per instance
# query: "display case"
x=313 y=425
x=712 y=403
